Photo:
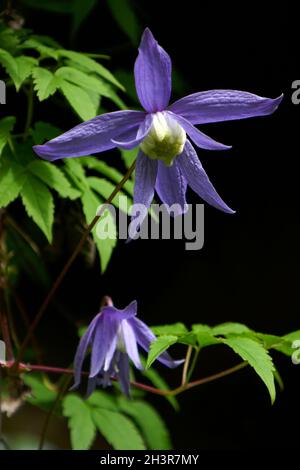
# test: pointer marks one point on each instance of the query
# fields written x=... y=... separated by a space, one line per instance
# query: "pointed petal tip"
x=41 y=151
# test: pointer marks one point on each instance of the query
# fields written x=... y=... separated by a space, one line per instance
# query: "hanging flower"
x=114 y=336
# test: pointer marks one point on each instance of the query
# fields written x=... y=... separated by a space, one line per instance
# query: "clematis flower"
x=167 y=161
x=114 y=336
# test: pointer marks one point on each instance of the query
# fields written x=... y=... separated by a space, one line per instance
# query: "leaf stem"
x=193 y=364
x=186 y=364
x=68 y=264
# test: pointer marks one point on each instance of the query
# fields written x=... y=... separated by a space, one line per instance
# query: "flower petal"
x=197 y=178
x=92 y=136
x=82 y=349
x=130 y=343
x=171 y=187
x=104 y=342
x=223 y=105
x=199 y=138
x=145 y=177
x=124 y=373
x=141 y=134
x=145 y=337
x=152 y=71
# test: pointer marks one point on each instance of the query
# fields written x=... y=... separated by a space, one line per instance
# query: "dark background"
x=249 y=266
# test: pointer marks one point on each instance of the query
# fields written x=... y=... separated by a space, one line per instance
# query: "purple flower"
x=114 y=336
x=167 y=161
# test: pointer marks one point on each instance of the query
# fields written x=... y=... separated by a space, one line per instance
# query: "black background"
x=248 y=270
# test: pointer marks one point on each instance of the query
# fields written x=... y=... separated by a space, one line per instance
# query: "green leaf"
x=81 y=424
x=39 y=205
x=6 y=126
x=105 y=188
x=12 y=178
x=101 y=399
x=124 y=15
x=44 y=51
x=257 y=356
x=91 y=65
x=89 y=82
x=25 y=66
x=40 y=395
x=10 y=65
x=149 y=421
x=118 y=430
x=159 y=346
x=9 y=40
x=75 y=171
x=108 y=171
x=204 y=335
x=90 y=204
x=175 y=329
x=53 y=177
x=45 y=82
x=44 y=131
x=229 y=328
x=79 y=100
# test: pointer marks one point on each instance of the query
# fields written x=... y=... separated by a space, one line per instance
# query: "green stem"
x=193 y=364
x=186 y=365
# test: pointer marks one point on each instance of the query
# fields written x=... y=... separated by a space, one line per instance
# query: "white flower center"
x=165 y=139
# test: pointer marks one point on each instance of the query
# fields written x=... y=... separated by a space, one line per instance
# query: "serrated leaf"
x=105 y=188
x=90 y=204
x=79 y=100
x=44 y=131
x=9 y=40
x=158 y=347
x=76 y=172
x=91 y=65
x=108 y=171
x=149 y=421
x=53 y=177
x=10 y=65
x=81 y=424
x=91 y=83
x=25 y=66
x=45 y=51
x=6 y=126
x=101 y=399
x=39 y=205
x=257 y=357
x=204 y=335
x=45 y=82
x=12 y=178
x=175 y=329
x=229 y=328
x=118 y=430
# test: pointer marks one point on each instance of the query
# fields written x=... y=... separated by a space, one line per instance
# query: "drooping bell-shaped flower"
x=167 y=161
x=114 y=336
